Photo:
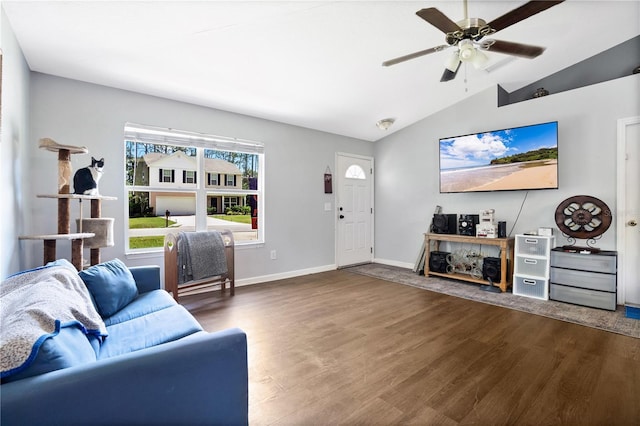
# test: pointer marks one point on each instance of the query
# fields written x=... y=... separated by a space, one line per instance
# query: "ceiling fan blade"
x=516 y=49
x=521 y=13
x=448 y=75
x=414 y=55
x=438 y=20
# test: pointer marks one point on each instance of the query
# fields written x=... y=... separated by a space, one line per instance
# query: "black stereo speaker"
x=444 y=224
x=438 y=261
x=491 y=269
x=502 y=229
x=467 y=224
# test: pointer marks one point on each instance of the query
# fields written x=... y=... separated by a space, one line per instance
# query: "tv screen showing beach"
x=520 y=158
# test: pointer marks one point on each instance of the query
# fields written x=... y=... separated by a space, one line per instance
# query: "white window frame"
x=164 y=136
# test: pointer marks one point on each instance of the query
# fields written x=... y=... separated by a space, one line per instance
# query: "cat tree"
x=100 y=230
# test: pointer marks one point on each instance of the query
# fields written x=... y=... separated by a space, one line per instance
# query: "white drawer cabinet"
x=584 y=279
x=531 y=266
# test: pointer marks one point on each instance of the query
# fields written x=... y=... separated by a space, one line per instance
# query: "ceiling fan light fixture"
x=466 y=51
x=452 y=62
x=480 y=60
x=385 y=123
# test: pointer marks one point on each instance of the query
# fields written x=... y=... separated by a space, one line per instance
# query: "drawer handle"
x=530 y=241
x=531 y=261
x=529 y=282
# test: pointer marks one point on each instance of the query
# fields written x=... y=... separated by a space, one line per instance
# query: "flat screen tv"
x=520 y=158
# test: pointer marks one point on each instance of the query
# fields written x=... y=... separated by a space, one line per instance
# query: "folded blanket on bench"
x=200 y=255
x=35 y=305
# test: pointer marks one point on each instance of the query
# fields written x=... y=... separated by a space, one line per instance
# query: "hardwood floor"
x=341 y=348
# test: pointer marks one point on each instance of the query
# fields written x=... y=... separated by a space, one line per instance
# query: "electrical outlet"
x=274 y=255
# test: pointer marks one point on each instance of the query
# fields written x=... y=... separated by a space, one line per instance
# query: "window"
x=189 y=176
x=178 y=200
x=355 y=172
x=230 y=202
x=213 y=179
x=167 y=175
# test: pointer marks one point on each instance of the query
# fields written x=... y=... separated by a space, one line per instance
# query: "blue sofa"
x=156 y=366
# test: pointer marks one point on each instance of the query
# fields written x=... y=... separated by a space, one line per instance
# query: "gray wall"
x=14 y=166
x=407 y=163
x=77 y=113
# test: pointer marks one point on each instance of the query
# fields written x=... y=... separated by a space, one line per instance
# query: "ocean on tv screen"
x=509 y=159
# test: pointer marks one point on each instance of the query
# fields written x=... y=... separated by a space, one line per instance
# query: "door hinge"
x=371 y=250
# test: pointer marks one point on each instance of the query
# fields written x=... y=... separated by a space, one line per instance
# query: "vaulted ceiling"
x=315 y=64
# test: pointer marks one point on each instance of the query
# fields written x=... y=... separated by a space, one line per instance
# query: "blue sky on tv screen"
x=480 y=148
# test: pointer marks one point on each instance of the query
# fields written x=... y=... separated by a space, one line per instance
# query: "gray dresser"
x=584 y=279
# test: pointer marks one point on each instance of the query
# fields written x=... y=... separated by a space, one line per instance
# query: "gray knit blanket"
x=35 y=305
x=200 y=255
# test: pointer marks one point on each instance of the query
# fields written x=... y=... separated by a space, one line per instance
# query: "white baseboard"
x=318 y=269
x=284 y=275
x=394 y=263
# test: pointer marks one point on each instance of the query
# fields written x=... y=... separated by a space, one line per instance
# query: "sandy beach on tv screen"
x=534 y=174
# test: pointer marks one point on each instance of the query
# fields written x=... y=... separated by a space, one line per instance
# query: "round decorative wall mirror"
x=583 y=217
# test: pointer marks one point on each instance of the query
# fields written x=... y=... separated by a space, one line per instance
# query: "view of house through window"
x=182 y=181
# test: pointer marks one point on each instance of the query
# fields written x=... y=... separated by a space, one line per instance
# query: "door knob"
x=341 y=216
x=632 y=222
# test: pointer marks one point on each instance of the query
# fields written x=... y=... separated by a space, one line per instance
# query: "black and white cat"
x=85 y=180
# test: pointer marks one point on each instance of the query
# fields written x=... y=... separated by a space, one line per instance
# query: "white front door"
x=354 y=209
x=628 y=217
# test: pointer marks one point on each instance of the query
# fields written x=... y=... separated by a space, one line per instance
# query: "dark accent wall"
x=619 y=61
x=503 y=97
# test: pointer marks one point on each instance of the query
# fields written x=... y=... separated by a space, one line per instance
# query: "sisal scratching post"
x=49 y=251
x=96 y=211
x=76 y=253
x=64 y=171
x=64 y=176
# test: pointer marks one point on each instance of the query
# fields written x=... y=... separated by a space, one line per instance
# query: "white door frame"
x=339 y=180
x=621 y=212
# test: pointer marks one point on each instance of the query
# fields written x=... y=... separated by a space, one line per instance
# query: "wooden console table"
x=506 y=246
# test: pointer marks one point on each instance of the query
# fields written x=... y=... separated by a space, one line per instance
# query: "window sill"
x=159 y=251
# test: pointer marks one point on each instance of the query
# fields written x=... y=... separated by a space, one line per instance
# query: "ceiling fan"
x=468 y=35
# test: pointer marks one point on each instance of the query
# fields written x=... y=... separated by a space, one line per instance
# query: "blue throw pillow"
x=111 y=285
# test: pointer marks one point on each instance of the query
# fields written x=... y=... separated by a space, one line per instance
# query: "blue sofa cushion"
x=154 y=328
x=111 y=285
x=144 y=304
x=68 y=348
